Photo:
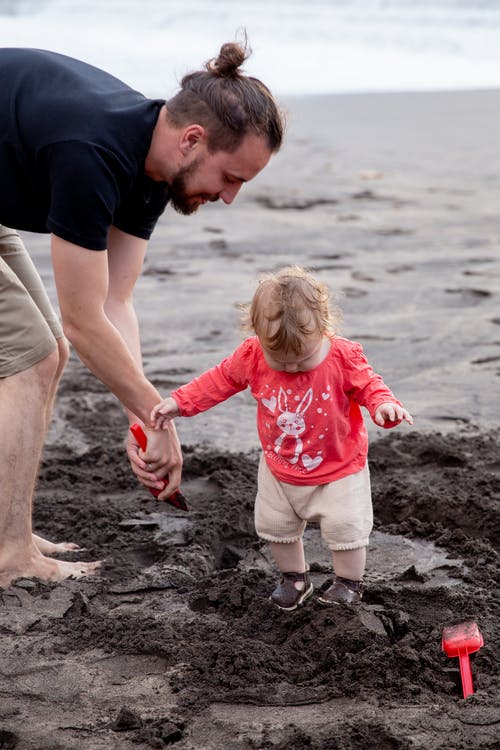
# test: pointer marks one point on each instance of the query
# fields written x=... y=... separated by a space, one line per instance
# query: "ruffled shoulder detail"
x=346 y=349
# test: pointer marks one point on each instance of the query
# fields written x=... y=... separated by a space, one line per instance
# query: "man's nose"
x=229 y=193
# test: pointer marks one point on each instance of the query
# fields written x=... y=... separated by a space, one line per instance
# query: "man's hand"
x=163 y=412
x=162 y=456
x=390 y=415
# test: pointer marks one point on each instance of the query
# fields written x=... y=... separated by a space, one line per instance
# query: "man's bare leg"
x=23 y=423
x=44 y=545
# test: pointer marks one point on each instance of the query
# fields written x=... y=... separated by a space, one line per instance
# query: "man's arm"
x=95 y=299
x=125 y=261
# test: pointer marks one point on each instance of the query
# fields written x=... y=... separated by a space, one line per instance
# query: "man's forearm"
x=122 y=315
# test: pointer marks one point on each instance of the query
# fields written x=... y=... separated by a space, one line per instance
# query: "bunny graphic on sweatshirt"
x=292 y=423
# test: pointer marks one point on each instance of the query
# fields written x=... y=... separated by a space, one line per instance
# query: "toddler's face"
x=312 y=354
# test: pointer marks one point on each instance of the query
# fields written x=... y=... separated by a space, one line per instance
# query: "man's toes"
x=91 y=567
x=47 y=547
x=79 y=569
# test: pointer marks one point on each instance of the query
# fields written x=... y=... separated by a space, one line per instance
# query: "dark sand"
x=393 y=200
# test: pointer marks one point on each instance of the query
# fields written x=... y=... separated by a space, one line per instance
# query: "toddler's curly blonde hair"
x=289 y=307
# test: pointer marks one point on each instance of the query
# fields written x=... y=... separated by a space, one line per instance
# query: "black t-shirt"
x=73 y=141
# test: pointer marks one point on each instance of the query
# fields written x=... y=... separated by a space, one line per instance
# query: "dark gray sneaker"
x=287 y=596
x=342 y=591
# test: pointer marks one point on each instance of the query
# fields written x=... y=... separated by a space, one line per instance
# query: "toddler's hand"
x=163 y=412
x=391 y=413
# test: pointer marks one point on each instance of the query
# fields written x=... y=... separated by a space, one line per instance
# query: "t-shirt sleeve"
x=89 y=191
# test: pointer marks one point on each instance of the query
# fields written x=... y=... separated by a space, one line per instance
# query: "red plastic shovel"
x=177 y=499
x=462 y=640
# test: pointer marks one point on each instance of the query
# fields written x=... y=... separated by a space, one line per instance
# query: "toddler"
x=309 y=384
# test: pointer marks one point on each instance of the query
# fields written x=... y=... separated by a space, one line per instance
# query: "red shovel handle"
x=177 y=499
x=465 y=673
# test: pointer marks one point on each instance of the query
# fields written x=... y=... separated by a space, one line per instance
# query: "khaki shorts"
x=342 y=508
x=29 y=325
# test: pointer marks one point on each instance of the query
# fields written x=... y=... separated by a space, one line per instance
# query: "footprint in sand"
x=320 y=267
x=366 y=195
x=403 y=268
x=222 y=248
x=485 y=360
x=469 y=297
x=360 y=276
x=477 y=262
x=353 y=293
x=335 y=266
x=218 y=244
x=393 y=231
x=348 y=217
x=299 y=204
x=372 y=337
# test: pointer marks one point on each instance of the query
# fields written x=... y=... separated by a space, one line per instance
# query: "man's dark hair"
x=227 y=103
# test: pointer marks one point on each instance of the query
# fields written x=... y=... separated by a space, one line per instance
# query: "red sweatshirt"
x=309 y=423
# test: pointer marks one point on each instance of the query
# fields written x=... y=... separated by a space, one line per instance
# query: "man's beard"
x=179 y=198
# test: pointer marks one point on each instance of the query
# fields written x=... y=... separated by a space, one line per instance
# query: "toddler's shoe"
x=342 y=591
x=287 y=596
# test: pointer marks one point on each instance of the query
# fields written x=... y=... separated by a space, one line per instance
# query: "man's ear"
x=191 y=137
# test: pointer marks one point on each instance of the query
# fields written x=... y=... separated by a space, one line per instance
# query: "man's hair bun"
x=231 y=57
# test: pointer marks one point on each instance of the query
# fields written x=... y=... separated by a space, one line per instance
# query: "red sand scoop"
x=462 y=640
x=177 y=499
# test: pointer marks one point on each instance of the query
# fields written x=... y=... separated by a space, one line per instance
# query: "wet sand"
x=393 y=200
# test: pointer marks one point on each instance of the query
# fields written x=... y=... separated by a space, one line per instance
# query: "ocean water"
x=299 y=46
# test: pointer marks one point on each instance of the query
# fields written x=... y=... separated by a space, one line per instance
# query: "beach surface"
x=392 y=199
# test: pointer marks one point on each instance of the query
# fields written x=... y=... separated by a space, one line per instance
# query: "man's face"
x=208 y=177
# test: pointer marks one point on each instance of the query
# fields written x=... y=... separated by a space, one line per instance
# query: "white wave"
x=299 y=46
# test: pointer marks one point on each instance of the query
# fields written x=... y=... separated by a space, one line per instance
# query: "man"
x=94 y=163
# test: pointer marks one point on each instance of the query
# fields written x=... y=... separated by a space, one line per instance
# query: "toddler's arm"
x=163 y=412
x=392 y=413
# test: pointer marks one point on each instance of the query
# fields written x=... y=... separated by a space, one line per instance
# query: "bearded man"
x=93 y=163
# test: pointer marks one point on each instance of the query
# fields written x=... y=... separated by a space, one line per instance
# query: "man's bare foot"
x=54 y=548
x=34 y=565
